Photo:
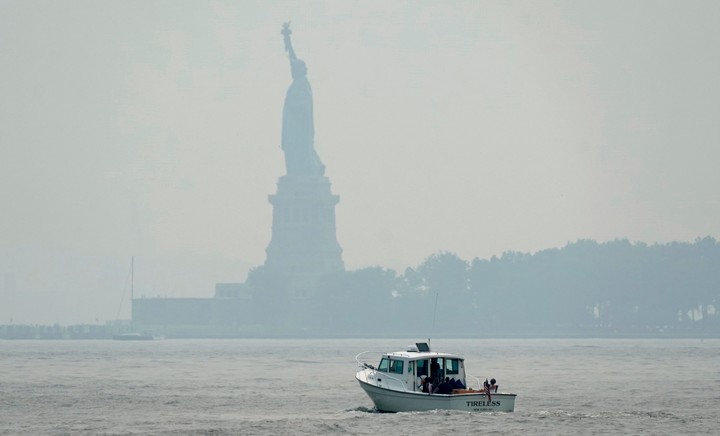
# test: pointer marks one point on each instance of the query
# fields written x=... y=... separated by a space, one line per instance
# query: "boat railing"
x=364 y=365
x=393 y=380
x=480 y=386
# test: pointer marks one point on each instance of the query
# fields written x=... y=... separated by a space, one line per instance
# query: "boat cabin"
x=406 y=369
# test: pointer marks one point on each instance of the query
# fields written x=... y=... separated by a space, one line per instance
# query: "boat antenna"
x=122 y=300
x=132 y=284
x=435 y=310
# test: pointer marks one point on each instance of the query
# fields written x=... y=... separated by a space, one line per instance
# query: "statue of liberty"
x=298 y=131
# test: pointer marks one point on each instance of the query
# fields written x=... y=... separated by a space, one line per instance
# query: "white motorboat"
x=397 y=384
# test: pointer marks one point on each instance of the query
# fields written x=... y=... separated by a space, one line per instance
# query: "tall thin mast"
x=132 y=284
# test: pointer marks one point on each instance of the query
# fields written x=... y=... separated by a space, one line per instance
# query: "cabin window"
x=384 y=363
x=422 y=367
x=396 y=366
x=452 y=366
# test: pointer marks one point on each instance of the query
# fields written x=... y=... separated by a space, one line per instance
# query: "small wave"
x=652 y=414
x=364 y=409
x=330 y=428
x=542 y=414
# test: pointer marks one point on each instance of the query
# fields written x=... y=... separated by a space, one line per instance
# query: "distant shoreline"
x=99 y=332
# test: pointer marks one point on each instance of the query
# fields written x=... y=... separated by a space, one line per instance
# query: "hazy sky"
x=152 y=129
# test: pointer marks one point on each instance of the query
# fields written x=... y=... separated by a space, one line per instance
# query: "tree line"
x=586 y=288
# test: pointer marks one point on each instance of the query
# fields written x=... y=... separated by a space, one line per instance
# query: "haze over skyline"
x=152 y=129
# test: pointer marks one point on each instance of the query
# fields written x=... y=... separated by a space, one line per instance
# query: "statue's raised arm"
x=288 y=44
x=297 y=66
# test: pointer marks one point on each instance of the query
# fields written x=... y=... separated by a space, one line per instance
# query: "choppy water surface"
x=276 y=387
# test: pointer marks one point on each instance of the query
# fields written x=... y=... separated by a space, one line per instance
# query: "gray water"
x=292 y=387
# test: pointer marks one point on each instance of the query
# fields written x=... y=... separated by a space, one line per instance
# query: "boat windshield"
x=384 y=364
x=391 y=365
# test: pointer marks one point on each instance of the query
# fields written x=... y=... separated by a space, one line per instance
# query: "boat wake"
x=542 y=414
x=364 y=409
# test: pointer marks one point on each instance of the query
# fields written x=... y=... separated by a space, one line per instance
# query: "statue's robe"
x=298 y=131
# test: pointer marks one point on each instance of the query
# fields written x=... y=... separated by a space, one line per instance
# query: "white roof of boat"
x=420 y=355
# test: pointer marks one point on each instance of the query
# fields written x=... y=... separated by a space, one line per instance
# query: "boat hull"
x=389 y=400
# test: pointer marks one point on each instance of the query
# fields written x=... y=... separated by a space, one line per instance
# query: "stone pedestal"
x=304 y=244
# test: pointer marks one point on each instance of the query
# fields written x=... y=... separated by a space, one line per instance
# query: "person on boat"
x=457 y=384
x=426 y=385
x=435 y=371
x=493 y=385
x=444 y=387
